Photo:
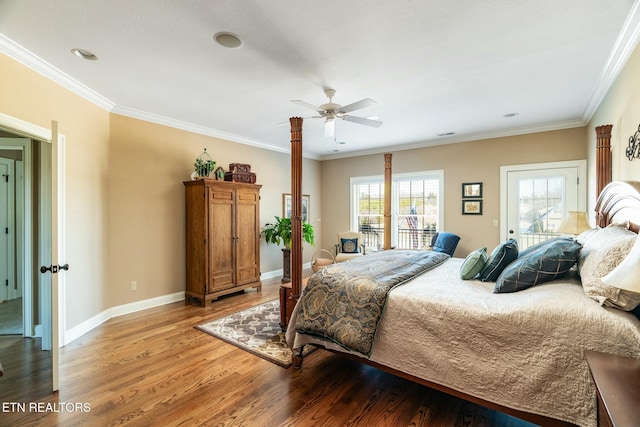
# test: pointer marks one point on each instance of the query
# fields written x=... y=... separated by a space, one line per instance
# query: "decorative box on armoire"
x=223 y=238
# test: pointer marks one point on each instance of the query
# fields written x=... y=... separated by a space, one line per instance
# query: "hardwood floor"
x=153 y=368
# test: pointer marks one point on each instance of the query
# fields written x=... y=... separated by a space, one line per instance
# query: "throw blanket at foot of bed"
x=343 y=302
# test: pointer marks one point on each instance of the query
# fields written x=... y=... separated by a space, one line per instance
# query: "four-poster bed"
x=521 y=353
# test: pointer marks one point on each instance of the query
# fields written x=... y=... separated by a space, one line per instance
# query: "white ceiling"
x=432 y=66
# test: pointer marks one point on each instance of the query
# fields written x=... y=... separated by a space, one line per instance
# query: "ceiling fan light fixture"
x=84 y=54
x=228 y=40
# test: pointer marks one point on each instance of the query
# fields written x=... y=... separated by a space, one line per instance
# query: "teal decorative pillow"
x=349 y=246
x=538 y=264
x=500 y=257
x=473 y=264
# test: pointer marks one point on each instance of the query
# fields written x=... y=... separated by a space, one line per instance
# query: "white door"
x=8 y=288
x=539 y=199
x=56 y=199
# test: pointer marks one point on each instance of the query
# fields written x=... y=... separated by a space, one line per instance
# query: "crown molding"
x=201 y=130
x=547 y=127
x=25 y=57
x=623 y=48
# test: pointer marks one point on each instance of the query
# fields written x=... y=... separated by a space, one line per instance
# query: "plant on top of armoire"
x=204 y=165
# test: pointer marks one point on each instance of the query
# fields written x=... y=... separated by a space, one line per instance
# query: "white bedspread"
x=522 y=350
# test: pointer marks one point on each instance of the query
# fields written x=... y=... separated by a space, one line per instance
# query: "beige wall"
x=124 y=193
x=620 y=108
x=28 y=96
x=477 y=161
x=148 y=163
x=124 y=197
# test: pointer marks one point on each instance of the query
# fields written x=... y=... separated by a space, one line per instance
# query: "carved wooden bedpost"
x=603 y=157
x=289 y=300
x=387 y=201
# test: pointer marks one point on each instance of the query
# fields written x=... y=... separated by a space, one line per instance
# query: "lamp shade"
x=575 y=223
x=627 y=274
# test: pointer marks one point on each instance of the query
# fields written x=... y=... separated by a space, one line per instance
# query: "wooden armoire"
x=223 y=238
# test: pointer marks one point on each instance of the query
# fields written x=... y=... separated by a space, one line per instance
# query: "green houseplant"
x=279 y=232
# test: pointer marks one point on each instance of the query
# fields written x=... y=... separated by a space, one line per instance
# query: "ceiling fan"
x=332 y=111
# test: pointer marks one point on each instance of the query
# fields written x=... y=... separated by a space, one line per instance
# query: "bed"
x=520 y=352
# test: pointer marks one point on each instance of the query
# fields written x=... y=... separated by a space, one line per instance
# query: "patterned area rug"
x=256 y=330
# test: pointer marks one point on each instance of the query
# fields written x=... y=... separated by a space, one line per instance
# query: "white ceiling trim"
x=570 y=124
x=191 y=127
x=623 y=48
x=25 y=57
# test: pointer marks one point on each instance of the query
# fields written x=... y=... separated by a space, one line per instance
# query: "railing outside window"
x=407 y=238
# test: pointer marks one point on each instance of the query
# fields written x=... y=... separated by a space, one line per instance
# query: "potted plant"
x=204 y=165
x=279 y=232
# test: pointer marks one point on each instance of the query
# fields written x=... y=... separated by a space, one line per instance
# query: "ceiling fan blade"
x=363 y=121
x=329 y=127
x=363 y=103
x=307 y=105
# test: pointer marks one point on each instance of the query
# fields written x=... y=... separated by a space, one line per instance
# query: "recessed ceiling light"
x=510 y=114
x=228 y=40
x=84 y=54
x=446 y=134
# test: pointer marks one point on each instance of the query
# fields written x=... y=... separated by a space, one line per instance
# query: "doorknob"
x=54 y=268
x=510 y=231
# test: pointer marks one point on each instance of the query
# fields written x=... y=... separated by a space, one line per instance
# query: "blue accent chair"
x=445 y=242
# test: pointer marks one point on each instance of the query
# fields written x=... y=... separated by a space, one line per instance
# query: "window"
x=416 y=209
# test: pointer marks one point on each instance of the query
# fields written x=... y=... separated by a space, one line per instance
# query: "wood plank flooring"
x=153 y=368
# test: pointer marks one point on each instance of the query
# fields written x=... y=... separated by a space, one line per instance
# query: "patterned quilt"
x=344 y=302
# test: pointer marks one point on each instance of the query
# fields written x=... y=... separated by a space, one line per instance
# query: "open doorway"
x=24 y=329
x=11 y=240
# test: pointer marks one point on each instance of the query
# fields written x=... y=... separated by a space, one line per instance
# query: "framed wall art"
x=472 y=207
x=286 y=206
x=471 y=190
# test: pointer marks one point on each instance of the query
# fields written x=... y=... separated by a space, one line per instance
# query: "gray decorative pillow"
x=500 y=257
x=538 y=264
x=473 y=264
x=602 y=250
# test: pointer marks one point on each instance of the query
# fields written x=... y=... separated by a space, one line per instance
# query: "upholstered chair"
x=349 y=246
x=445 y=242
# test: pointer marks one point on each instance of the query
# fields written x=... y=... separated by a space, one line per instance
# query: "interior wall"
x=620 y=108
x=28 y=96
x=148 y=164
x=476 y=161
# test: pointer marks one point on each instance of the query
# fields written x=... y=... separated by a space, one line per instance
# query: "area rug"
x=256 y=330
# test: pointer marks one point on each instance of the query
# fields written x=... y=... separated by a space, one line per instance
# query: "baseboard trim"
x=87 y=326
x=120 y=310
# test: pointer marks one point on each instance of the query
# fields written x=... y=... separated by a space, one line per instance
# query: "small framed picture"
x=472 y=207
x=219 y=174
x=472 y=190
x=286 y=206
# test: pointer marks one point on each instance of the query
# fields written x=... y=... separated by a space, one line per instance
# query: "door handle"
x=54 y=268
x=510 y=231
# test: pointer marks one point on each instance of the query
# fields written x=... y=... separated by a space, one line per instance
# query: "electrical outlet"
x=134 y=285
